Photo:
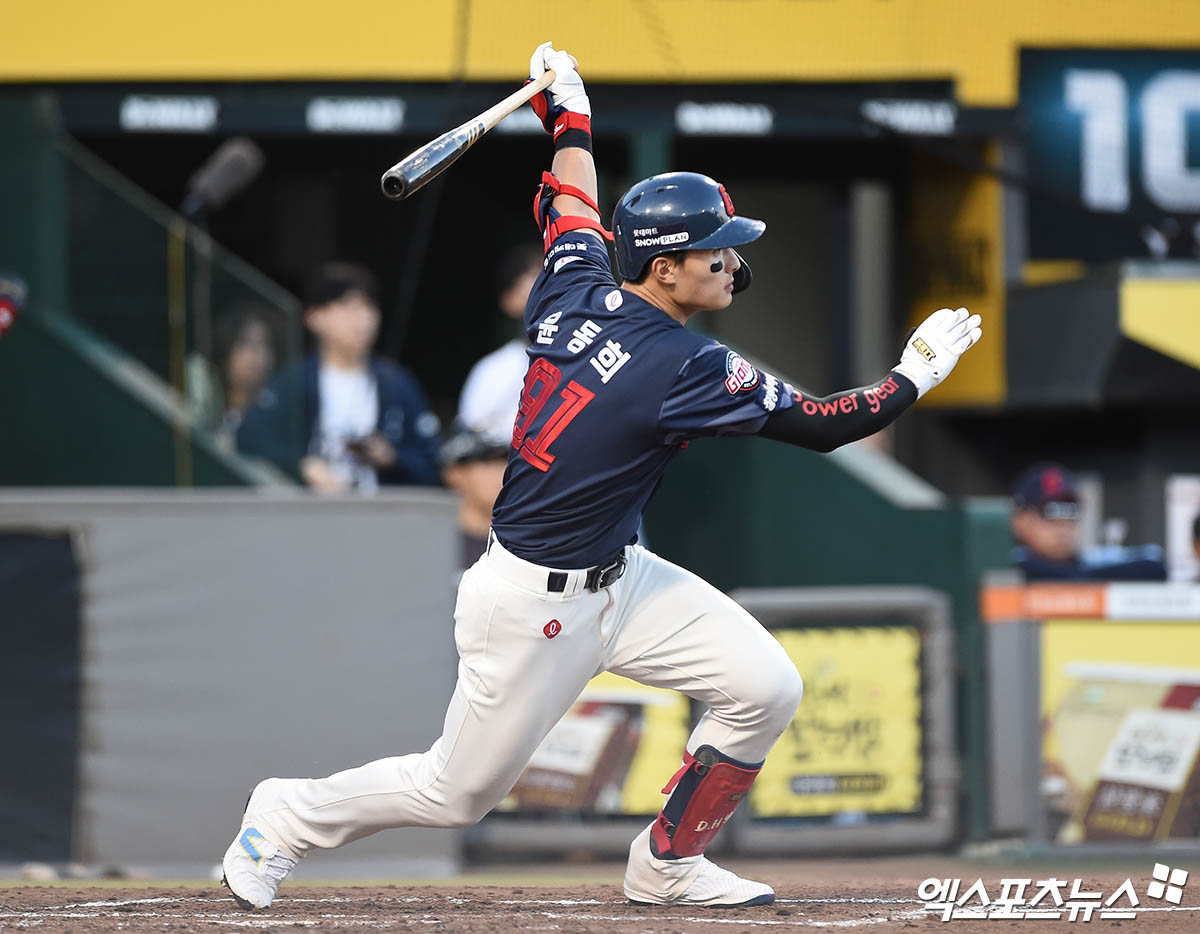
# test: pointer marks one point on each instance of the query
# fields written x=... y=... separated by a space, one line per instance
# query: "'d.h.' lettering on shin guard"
x=704 y=795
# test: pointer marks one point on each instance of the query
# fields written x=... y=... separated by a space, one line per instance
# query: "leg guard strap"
x=706 y=793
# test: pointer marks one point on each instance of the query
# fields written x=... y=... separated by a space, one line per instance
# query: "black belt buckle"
x=606 y=575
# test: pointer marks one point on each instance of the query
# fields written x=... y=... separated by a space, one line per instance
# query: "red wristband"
x=572 y=129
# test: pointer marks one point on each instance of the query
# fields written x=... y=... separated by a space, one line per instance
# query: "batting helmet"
x=678 y=211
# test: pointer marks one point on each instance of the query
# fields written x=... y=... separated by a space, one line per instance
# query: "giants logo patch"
x=739 y=374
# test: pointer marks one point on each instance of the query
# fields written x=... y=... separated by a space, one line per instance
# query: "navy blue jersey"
x=615 y=389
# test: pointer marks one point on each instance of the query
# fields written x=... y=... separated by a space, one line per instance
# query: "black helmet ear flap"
x=742 y=276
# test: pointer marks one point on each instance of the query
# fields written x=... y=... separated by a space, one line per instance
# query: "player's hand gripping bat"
x=425 y=164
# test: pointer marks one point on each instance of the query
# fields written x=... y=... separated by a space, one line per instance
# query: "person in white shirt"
x=476 y=453
x=488 y=403
x=365 y=420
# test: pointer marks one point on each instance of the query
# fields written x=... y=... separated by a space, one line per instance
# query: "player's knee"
x=786 y=691
x=457 y=819
x=465 y=811
x=768 y=702
x=793 y=693
x=458 y=803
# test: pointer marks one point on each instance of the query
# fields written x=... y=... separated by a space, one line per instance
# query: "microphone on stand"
x=232 y=167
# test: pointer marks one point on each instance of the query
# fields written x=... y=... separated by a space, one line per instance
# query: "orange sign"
x=1042 y=601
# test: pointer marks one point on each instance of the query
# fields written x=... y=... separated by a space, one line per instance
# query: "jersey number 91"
x=540 y=382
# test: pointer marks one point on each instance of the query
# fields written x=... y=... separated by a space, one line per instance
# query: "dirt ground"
x=827 y=895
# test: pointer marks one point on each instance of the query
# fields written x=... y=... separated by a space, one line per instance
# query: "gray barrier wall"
x=231 y=636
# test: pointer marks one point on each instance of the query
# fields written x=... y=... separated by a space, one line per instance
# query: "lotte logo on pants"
x=552 y=628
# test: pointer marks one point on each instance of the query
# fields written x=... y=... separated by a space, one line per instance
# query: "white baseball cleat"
x=253 y=865
x=692 y=880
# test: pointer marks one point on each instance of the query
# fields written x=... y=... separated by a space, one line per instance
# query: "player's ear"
x=663 y=269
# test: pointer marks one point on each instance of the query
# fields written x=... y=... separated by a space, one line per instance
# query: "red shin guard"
x=704 y=795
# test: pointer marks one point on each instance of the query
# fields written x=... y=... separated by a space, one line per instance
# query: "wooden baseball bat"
x=425 y=164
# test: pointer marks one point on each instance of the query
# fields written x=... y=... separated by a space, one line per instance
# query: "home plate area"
x=826 y=900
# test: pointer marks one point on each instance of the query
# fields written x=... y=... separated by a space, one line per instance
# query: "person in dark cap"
x=1045 y=526
x=475 y=453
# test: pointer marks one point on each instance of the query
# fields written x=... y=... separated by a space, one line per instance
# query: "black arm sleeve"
x=827 y=422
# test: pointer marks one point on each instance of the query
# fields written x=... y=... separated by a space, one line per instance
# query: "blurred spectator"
x=1045 y=524
x=1196 y=539
x=12 y=299
x=244 y=346
x=365 y=419
x=243 y=357
x=473 y=465
x=488 y=403
x=475 y=455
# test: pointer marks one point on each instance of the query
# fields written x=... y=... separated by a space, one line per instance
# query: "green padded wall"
x=67 y=420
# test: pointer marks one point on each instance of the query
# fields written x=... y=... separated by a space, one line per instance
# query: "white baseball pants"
x=659 y=625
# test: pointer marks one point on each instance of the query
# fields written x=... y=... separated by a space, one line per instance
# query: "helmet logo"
x=728 y=200
x=662 y=235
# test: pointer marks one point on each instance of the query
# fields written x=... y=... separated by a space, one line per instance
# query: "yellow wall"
x=859 y=728
x=972 y=41
x=956 y=239
x=1163 y=314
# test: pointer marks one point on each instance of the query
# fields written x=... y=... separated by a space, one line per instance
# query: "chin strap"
x=743 y=277
x=550 y=222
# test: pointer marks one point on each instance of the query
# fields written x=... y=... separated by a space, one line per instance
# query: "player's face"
x=704 y=280
x=348 y=326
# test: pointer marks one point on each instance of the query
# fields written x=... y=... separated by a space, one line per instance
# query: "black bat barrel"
x=420 y=167
x=394 y=186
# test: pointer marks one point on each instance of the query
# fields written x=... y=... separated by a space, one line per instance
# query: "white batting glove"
x=936 y=345
x=567 y=91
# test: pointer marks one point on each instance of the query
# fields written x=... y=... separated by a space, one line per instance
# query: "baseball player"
x=616 y=388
